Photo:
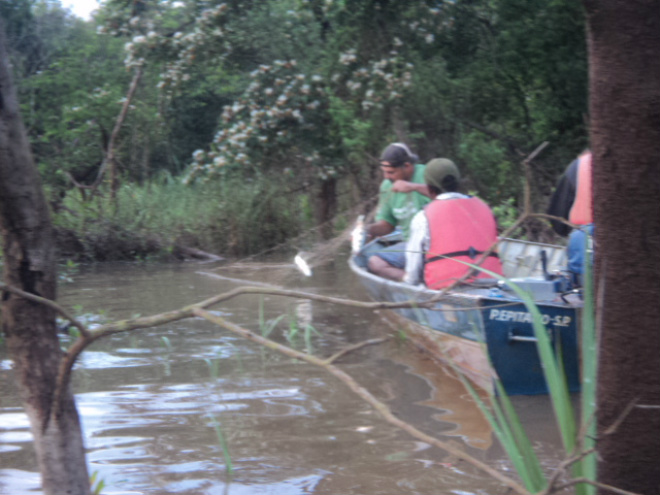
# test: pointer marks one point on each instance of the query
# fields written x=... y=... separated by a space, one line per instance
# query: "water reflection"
x=150 y=400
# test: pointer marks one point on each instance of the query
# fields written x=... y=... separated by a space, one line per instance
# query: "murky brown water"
x=152 y=401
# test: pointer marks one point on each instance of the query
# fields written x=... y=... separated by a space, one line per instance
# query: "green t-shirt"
x=398 y=209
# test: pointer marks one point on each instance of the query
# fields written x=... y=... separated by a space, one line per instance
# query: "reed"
x=97 y=484
x=266 y=327
x=576 y=441
x=229 y=466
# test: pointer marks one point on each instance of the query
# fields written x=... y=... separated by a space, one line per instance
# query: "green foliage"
x=506 y=214
x=312 y=90
x=496 y=178
x=160 y=216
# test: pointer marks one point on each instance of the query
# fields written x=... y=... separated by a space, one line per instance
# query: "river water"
x=189 y=408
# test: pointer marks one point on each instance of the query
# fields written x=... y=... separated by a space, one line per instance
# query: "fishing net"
x=306 y=247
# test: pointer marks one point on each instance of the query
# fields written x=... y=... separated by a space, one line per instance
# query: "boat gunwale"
x=448 y=295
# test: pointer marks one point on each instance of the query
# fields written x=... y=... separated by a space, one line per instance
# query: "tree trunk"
x=327 y=207
x=624 y=48
x=28 y=326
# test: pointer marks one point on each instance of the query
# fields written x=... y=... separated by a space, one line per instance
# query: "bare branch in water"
x=354 y=347
x=365 y=395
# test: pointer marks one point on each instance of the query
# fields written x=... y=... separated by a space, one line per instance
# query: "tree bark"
x=29 y=265
x=624 y=48
x=327 y=207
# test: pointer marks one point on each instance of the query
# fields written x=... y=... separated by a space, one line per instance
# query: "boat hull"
x=483 y=332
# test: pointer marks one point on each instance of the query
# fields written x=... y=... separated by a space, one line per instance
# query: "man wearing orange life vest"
x=452 y=227
x=573 y=200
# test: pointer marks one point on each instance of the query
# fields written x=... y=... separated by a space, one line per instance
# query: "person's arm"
x=379 y=228
x=405 y=186
x=385 y=222
x=415 y=250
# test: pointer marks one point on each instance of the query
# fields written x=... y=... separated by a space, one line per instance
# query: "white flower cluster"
x=207 y=33
x=276 y=104
x=348 y=58
x=428 y=23
x=380 y=82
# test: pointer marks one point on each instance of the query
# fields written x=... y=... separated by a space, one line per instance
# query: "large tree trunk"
x=624 y=55
x=29 y=265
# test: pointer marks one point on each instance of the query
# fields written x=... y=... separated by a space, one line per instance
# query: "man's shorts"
x=395 y=254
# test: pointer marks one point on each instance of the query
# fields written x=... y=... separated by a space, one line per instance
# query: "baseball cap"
x=397 y=154
x=439 y=170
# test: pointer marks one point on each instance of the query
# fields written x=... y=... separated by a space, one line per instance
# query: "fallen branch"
x=46 y=302
x=88 y=336
x=197 y=254
x=352 y=348
x=365 y=395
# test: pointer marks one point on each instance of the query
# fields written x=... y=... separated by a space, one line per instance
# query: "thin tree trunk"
x=29 y=265
x=327 y=207
x=624 y=55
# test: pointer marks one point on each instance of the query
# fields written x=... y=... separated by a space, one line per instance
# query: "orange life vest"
x=460 y=229
x=582 y=210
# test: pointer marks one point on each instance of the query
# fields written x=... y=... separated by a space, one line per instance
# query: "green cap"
x=439 y=169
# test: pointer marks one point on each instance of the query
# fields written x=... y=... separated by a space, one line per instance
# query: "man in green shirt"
x=403 y=193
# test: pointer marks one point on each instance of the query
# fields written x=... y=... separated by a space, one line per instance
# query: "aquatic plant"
x=577 y=443
x=229 y=466
x=97 y=486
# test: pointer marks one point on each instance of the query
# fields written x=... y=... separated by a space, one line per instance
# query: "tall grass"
x=231 y=216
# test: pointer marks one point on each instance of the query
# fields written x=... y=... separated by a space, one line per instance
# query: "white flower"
x=348 y=57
